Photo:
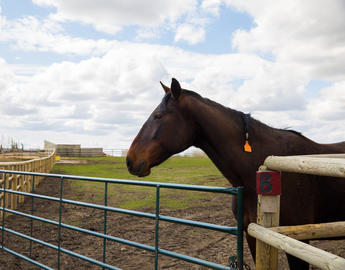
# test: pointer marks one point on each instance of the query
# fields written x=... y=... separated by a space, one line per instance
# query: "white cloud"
x=185 y=17
x=96 y=96
x=107 y=96
x=211 y=6
x=330 y=104
x=147 y=33
x=111 y=16
x=310 y=33
x=190 y=33
x=272 y=89
x=100 y=95
x=31 y=34
x=48 y=35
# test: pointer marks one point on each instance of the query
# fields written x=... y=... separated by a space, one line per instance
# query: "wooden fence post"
x=20 y=182
x=26 y=179
x=317 y=257
x=7 y=186
x=268 y=187
x=13 y=187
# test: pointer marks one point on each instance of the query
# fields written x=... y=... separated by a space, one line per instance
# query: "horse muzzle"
x=140 y=169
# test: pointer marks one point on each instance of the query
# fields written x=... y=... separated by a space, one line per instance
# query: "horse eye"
x=157 y=116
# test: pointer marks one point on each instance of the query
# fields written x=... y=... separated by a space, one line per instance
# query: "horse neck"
x=220 y=134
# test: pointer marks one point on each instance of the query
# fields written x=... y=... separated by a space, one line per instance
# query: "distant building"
x=73 y=150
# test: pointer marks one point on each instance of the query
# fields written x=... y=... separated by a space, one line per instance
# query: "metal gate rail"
x=238 y=231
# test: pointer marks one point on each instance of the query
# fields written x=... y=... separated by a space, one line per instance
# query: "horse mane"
x=241 y=114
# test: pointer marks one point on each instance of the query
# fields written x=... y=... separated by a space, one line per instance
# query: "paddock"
x=124 y=249
x=33 y=216
x=271 y=237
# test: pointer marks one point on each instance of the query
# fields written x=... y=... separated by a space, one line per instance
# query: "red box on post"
x=268 y=182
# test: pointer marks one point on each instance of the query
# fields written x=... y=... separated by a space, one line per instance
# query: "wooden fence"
x=23 y=183
x=270 y=237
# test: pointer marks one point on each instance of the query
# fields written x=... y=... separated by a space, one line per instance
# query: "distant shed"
x=73 y=150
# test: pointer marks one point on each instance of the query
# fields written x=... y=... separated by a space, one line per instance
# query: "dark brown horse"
x=184 y=118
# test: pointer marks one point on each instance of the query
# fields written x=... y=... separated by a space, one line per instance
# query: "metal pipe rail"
x=238 y=231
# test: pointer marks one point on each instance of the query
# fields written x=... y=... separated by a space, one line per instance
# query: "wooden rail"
x=313 y=231
x=324 y=165
x=270 y=237
x=22 y=183
x=308 y=253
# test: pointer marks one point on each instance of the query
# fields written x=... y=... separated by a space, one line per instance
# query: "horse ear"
x=175 y=88
x=166 y=88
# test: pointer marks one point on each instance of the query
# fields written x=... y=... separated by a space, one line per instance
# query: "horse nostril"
x=128 y=162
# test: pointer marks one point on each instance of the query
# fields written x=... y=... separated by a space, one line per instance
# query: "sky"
x=88 y=72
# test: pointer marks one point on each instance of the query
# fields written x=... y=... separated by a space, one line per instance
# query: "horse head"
x=168 y=130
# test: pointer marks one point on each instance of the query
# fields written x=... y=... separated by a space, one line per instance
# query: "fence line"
x=323 y=165
x=308 y=253
x=270 y=239
x=22 y=183
x=238 y=231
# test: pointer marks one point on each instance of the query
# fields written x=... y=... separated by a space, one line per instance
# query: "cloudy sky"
x=88 y=72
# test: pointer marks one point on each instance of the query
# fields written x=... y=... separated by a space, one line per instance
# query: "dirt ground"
x=201 y=243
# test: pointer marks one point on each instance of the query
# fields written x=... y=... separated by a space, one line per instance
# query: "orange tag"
x=247 y=147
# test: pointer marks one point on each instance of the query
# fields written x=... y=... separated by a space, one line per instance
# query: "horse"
x=184 y=119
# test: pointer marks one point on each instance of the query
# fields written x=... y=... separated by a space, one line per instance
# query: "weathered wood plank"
x=324 y=166
x=310 y=254
x=20 y=182
x=268 y=216
x=313 y=231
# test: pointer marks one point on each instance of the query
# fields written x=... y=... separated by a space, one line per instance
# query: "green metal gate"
x=237 y=231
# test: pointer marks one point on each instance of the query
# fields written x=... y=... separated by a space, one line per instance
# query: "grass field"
x=181 y=170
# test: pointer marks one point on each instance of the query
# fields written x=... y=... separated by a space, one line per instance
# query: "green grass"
x=180 y=170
